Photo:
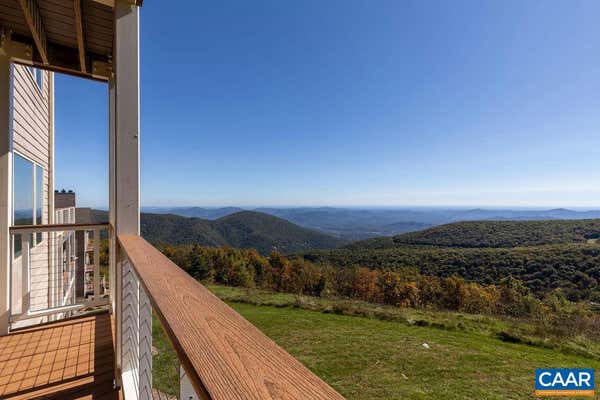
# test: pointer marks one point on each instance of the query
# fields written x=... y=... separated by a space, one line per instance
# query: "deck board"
x=71 y=359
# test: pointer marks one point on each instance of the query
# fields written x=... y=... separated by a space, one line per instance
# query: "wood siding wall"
x=31 y=123
x=31 y=132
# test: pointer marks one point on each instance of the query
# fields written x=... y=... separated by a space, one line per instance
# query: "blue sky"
x=353 y=103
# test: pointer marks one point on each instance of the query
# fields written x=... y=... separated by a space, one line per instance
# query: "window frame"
x=33 y=241
x=38 y=181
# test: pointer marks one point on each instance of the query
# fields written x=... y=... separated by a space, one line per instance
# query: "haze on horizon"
x=351 y=103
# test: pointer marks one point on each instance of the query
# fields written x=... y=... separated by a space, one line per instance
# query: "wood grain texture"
x=71 y=359
x=59 y=30
x=224 y=355
x=80 y=37
x=32 y=15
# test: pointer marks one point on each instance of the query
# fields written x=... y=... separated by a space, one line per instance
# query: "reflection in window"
x=23 y=191
x=39 y=199
x=22 y=196
x=28 y=198
x=38 y=79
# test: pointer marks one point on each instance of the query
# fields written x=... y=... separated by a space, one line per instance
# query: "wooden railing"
x=43 y=274
x=223 y=355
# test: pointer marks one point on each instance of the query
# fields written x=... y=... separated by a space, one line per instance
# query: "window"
x=22 y=197
x=23 y=191
x=28 y=198
x=39 y=199
x=37 y=76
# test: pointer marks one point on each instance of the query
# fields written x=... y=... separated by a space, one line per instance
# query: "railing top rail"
x=224 y=355
x=57 y=227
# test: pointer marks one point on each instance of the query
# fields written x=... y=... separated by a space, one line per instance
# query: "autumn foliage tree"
x=407 y=288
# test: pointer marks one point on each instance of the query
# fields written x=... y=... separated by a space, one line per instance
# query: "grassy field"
x=370 y=358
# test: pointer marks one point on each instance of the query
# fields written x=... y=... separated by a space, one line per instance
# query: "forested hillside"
x=493 y=234
x=545 y=255
x=245 y=229
x=575 y=269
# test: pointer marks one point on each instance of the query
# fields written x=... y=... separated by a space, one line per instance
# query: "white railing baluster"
x=25 y=273
x=44 y=274
x=136 y=337
x=97 y=294
x=145 y=337
x=129 y=332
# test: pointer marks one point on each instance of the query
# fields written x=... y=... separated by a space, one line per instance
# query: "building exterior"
x=85 y=242
x=32 y=145
x=63 y=279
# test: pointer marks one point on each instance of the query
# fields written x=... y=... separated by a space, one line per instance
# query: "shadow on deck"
x=70 y=359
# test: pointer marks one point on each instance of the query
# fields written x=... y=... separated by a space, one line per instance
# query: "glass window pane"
x=39 y=199
x=23 y=191
x=17 y=245
x=38 y=78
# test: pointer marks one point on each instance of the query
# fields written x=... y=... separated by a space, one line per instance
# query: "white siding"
x=31 y=131
x=31 y=139
x=31 y=123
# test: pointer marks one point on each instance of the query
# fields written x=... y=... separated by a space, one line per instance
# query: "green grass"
x=369 y=358
x=508 y=329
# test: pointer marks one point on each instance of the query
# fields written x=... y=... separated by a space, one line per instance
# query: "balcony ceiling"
x=71 y=36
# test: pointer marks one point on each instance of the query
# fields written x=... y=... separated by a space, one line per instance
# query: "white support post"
x=25 y=273
x=5 y=189
x=112 y=242
x=127 y=97
x=97 y=264
x=134 y=337
x=51 y=236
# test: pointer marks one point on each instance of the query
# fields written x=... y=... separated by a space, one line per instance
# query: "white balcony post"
x=133 y=312
x=96 y=264
x=5 y=188
x=51 y=236
x=25 y=300
x=112 y=242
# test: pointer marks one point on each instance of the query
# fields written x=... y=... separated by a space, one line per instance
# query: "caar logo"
x=564 y=382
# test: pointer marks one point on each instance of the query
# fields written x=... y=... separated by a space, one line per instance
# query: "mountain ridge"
x=364 y=223
x=498 y=234
x=243 y=229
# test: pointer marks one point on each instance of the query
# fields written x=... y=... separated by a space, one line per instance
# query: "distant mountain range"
x=194 y=212
x=243 y=229
x=491 y=234
x=364 y=223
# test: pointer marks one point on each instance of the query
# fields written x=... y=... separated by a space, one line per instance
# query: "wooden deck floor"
x=72 y=359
